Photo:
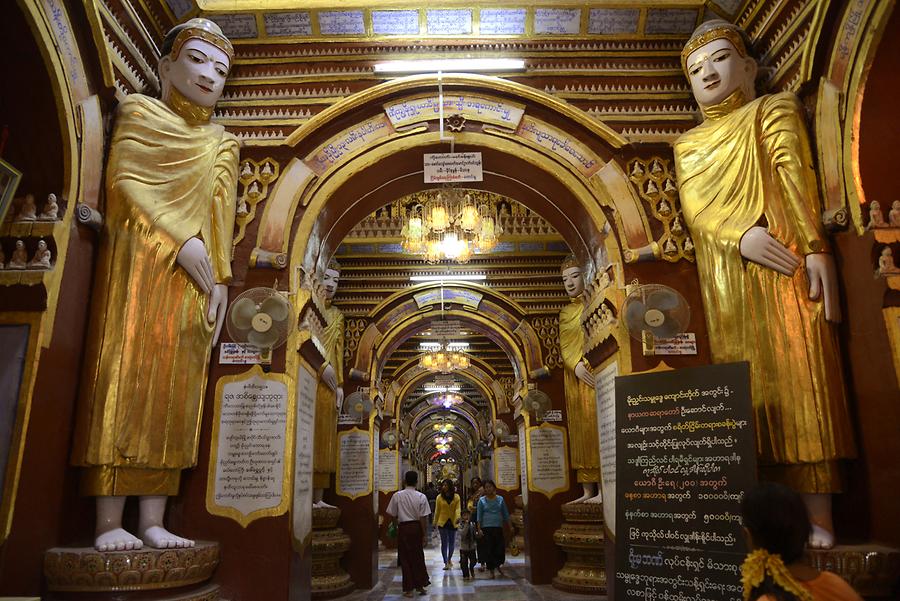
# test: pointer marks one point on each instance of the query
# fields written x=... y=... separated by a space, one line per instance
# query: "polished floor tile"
x=448 y=585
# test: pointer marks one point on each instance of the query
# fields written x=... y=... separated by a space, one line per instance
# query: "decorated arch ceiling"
x=618 y=61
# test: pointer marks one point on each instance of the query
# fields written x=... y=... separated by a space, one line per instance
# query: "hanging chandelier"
x=448 y=400
x=444 y=360
x=450 y=225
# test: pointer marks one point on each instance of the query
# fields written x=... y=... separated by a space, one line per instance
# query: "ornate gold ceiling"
x=618 y=61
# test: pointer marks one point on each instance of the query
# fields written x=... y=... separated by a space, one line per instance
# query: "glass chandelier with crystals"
x=443 y=360
x=448 y=400
x=451 y=225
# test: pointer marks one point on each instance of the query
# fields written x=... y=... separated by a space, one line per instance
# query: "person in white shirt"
x=410 y=510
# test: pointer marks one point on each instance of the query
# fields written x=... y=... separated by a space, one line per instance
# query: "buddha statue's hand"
x=218 y=302
x=330 y=377
x=584 y=374
x=758 y=246
x=339 y=398
x=822 y=276
x=194 y=259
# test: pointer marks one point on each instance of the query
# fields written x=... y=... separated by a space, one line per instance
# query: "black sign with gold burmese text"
x=686 y=454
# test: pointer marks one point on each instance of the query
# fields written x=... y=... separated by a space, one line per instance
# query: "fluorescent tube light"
x=457 y=345
x=443 y=277
x=451 y=65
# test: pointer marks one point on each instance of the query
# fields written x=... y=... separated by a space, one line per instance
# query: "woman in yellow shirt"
x=446 y=516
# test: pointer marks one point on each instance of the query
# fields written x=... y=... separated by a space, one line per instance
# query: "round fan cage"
x=536 y=402
x=259 y=316
x=657 y=309
x=358 y=404
x=389 y=438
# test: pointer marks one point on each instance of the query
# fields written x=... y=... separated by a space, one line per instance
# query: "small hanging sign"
x=445 y=167
x=232 y=353
x=682 y=344
x=554 y=415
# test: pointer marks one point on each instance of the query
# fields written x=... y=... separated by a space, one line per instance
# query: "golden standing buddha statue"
x=160 y=288
x=749 y=197
x=330 y=392
x=581 y=408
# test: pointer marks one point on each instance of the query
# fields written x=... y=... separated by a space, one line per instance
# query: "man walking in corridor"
x=410 y=510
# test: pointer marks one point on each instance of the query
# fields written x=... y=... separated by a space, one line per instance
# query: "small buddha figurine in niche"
x=665 y=209
x=894 y=214
x=669 y=247
x=876 y=218
x=246 y=171
x=165 y=250
x=28 y=212
x=330 y=392
x=886 y=264
x=19 y=258
x=584 y=443
x=750 y=201
x=41 y=258
x=51 y=209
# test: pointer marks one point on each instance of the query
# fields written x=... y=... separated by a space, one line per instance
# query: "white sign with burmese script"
x=250 y=431
x=447 y=167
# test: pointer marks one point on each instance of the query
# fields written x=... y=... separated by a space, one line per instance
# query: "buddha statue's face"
x=716 y=70
x=573 y=281
x=198 y=72
x=330 y=280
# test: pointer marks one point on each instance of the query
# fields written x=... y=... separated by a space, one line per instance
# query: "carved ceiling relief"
x=654 y=179
x=255 y=178
x=547 y=329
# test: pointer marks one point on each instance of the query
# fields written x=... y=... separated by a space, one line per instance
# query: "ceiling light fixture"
x=432 y=388
x=449 y=277
x=450 y=65
x=444 y=360
x=451 y=224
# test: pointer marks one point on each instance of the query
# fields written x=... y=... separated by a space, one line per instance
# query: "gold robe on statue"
x=149 y=341
x=325 y=436
x=581 y=408
x=745 y=166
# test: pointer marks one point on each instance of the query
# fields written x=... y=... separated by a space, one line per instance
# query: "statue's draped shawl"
x=149 y=341
x=753 y=167
x=325 y=439
x=584 y=441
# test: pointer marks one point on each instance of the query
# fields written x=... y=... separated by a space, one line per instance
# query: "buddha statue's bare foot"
x=580 y=499
x=160 y=538
x=597 y=499
x=322 y=505
x=588 y=491
x=820 y=538
x=117 y=539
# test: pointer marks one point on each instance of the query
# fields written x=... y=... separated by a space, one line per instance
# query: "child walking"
x=467 y=546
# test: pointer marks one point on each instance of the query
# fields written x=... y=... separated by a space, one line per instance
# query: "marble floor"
x=450 y=586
